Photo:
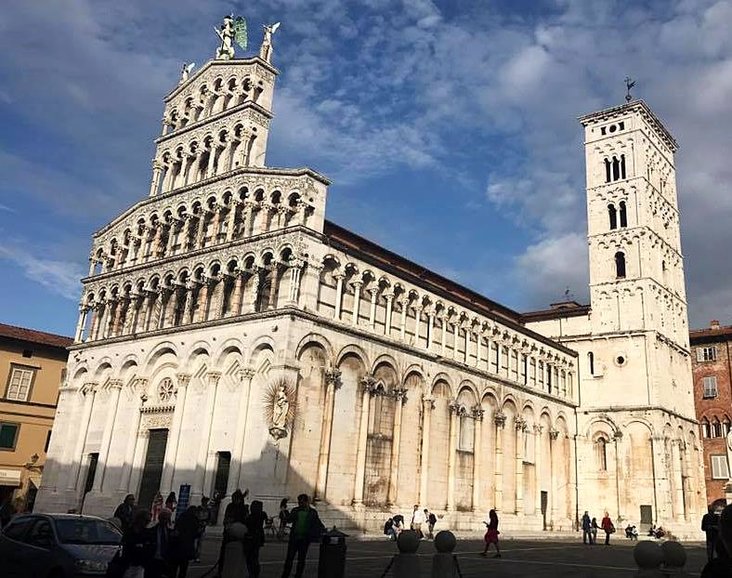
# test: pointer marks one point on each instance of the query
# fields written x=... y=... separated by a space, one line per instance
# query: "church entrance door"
x=153 y=469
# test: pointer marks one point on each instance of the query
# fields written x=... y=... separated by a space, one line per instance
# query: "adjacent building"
x=32 y=367
x=712 y=364
x=230 y=336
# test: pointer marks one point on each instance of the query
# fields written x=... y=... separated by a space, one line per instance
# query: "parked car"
x=57 y=546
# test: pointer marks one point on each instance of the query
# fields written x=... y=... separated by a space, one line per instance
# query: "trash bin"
x=332 y=561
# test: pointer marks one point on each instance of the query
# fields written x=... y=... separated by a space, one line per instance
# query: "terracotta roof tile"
x=33 y=336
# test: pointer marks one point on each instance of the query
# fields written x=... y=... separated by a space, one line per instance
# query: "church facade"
x=231 y=337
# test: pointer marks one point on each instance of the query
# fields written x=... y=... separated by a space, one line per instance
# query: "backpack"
x=432 y=519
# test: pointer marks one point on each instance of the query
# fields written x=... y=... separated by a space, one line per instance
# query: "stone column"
x=215 y=225
x=554 y=474
x=356 y=301
x=443 y=321
x=660 y=478
x=400 y=394
x=247 y=221
x=477 y=455
x=200 y=230
x=430 y=328
x=208 y=414
x=133 y=443
x=428 y=404
x=186 y=234
x=232 y=220
x=678 y=503
x=339 y=295
x=467 y=343
x=115 y=387
x=455 y=412
x=372 y=311
x=403 y=325
x=242 y=418
x=520 y=424
x=368 y=384
x=212 y=160
x=88 y=390
x=619 y=460
x=238 y=293
x=203 y=301
x=387 y=320
x=500 y=420
x=165 y=296
x=294 y=289
x=79 y=334
x=332 y=384
x=157 y=249
x=157 y=171
x=171 y=451
x=174 y=224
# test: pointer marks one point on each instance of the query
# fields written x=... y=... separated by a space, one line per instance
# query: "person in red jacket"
x=607 y=525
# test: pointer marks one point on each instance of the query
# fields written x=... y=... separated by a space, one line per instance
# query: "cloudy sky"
x=448 y=128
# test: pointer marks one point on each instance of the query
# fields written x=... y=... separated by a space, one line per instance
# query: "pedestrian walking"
x=491 y=534
x=125 y=511
x=586 y=528
x=236 y=513
x=431 y=521
x=254 y=539
x=607 y=525
x=710 y=526
x=138 y=547
x=171 y=502
x=183 y=543
x=157 y=505
x=160 y=535
x=721 y=566
x=203 y=514
x=282 y=517
x=593 y=531
x=417 y=520
x=306 y=528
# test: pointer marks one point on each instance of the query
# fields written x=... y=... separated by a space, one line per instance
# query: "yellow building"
x=32 y=366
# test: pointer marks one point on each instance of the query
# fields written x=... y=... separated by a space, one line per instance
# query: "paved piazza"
x=556 y=557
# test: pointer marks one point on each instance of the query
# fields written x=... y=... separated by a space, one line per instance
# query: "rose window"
x=165 y=390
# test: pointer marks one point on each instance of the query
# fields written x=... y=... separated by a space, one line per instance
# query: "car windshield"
x=86 y=531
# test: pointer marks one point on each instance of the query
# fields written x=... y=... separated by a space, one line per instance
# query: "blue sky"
x=448 y=128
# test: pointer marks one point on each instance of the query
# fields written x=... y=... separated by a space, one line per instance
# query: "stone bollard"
x=674 y=559
x=444 y=564
x=406 y=563
x=234 y=561
x=662 y=561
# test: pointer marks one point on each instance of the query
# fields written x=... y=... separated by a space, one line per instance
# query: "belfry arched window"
x=705 y=429
x=623 y=214
x=620 y=265
x=716 y=428
x=601 y=454
x=613 y=215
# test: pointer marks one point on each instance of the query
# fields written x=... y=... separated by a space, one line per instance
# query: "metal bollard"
x=444 y=562
x=406 y=563
x=332 y=560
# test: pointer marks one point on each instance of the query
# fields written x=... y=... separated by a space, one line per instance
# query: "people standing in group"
x=282 y=517
x=138 y=545
x=491 y=534
x=586 y=528
x=254 y=539
x=183 y=543
x=157 y=505
x=202 y=513
x=125 y=511
x=607 y=526
x=417 y=520
x=171 y=503
x=593 y=530
x=710 y=526
x=161 y=537
x=431 y=521
x=236 y=513
x=306 y=528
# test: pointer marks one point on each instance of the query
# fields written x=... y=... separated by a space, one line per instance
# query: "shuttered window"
x=720 y=468
x=19 y=383
x=710 y=386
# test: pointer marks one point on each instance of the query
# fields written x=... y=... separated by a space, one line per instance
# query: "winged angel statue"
x=185 y=71
x=231 y=30
x=265 y=52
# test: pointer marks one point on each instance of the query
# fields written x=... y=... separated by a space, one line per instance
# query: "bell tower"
x=637 y=289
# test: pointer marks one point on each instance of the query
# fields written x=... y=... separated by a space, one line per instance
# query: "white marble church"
x=231 y=337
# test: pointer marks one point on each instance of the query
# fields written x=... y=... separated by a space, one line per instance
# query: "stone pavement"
x=522 y=557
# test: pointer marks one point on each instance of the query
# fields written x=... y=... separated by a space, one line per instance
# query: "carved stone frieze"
x=156 y=420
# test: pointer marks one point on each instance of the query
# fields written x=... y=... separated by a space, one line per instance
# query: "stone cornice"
x=614 y=409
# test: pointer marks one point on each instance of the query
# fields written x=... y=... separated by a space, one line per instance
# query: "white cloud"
x=60 y=277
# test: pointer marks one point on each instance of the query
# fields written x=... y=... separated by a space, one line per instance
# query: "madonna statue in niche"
x=279 y=408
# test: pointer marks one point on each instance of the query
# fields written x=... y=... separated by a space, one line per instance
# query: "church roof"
x=556 y=311
x=407 y=270
x=14 y=333
x=715 y=332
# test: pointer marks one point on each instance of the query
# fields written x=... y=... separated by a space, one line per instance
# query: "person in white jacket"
x=417 y=520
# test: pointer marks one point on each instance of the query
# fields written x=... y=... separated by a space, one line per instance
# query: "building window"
x=601 y=454
x=620 y=265
x=706 y=353
x=623 y=214
x=706 y=432
x=613 y=214
x=720 y=467
x=166 y=390
x=710 y=387
x=716 y=428
x=591 y=362
x=725 y=426
x=48 y=442
x=8 y=435
x=19 y=383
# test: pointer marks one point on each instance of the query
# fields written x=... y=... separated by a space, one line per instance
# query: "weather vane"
x=629 y=83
